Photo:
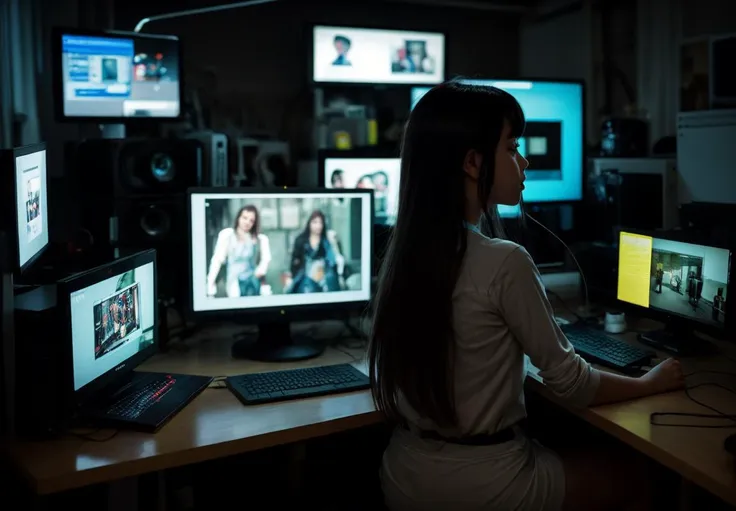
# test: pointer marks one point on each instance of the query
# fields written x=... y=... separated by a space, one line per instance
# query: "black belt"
x=499 y=437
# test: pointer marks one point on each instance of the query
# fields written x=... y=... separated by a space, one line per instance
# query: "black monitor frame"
x=9 y=208
x=678 y=323
x=58 y=75
x=277 y=313
x=310 y=57
x=88 y=278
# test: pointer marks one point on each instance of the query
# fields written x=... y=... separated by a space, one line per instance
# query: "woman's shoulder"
x=226 y=232
x=491 y=247
x=262 y=237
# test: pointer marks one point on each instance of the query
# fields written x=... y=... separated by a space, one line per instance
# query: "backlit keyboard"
x=132 y=405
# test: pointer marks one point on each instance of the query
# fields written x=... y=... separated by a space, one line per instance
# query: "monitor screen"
x=30 y=190
x=553 y=139
x=379 y=174
x=111 y=321
x=119 y=75
x=373 y=56
x=680 y=279
x=273 y=250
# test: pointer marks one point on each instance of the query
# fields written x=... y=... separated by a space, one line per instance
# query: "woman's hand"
x=665 y=377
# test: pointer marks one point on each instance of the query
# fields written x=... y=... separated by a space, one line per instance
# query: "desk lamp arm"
x=203 y=10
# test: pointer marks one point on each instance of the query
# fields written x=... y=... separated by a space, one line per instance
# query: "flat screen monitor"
x=112 y=315
x=553 y=141
x=116 y=75
x=343 y=171
x=24 y=203
x=279 y=250
x=681 y=280
x=377 y=56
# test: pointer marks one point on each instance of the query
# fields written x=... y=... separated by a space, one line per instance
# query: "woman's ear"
x=472 y=163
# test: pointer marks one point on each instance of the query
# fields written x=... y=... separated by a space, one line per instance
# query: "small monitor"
x=553 y=141
x=112 y=319
x=341 y=170
x=377 y=56
x=683 y=281
x=24 y=203
x=111 y=76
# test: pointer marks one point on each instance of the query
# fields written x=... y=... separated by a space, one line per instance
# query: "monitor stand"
x=112 y=131
x=276 y=343
x=677 y=338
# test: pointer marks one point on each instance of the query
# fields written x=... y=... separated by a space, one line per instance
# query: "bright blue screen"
x=553 y=140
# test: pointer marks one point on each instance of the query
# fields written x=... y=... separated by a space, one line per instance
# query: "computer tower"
x=43 y=375
x=215 y=170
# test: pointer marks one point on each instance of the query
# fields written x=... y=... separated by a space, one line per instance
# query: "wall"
x=251 y=64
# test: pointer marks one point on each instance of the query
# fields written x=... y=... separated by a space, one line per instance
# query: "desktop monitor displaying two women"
x=279 y=249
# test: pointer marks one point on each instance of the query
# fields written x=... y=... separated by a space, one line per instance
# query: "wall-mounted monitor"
x=377 y=56
x=113 y=76
x=553 y=141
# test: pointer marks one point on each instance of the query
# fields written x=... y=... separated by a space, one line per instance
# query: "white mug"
x=615 y=323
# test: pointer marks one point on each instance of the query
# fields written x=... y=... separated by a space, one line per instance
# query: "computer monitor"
x=281 y=255
x=553 y=141
x=377 y=56
x=686 y=283
x=109 y=76
x=111 y=312
x=24 y=203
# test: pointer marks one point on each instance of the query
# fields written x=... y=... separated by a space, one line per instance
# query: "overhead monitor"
x=377 y=56
x=686 y=282
x=112 y=319
x=111 y=76
x=553 y=140
x=25 y=215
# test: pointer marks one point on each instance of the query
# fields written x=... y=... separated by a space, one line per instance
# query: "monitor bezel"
x=91 y=277
x=276 y=313
x=361 y=153
x=310 y=57
x=9 y=209
x=58 y=77
x=571 y=81
x=665 y=316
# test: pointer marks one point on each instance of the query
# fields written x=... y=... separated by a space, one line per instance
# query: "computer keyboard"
x=597 y=347
x=147 y=401
x=253 y=389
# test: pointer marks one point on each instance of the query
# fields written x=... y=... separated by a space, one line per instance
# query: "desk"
x=216 y=425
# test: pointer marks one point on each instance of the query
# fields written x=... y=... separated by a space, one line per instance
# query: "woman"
x=247 y=254
x=456 y=310
x=316 y=262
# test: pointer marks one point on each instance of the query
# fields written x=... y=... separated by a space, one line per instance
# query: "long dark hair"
x=412 y=340
x=304 y=235
x=256 y=219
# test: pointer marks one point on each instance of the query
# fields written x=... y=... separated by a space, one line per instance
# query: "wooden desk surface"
x=214 y=425
x=697 y=454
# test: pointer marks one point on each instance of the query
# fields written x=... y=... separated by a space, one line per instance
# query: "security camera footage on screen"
x=360 y=55
x=120 y=77
x=33 y=233
x=112 y=320
x=553 y=138
x=682 y=279
x=253 y=251
x=379 y=174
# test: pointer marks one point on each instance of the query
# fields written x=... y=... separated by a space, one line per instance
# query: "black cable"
x=91 y=436
x=718 y=415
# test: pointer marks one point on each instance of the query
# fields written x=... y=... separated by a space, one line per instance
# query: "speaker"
x=132 y=196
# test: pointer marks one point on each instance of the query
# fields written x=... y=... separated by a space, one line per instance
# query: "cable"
x=91 y=436
x=718 y=415
x=218 y=383
x=575 y=259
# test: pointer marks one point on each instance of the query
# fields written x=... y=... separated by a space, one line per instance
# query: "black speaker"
x=132 y=196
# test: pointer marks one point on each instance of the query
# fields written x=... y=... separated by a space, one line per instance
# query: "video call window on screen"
x=682 y=279
x=553 y=137
x=32 y=212
x=372 y=56
x=107 y=76
x=112 y=321
x=276 y=250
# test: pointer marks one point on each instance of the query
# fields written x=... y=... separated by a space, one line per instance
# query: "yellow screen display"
x=634 y=263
